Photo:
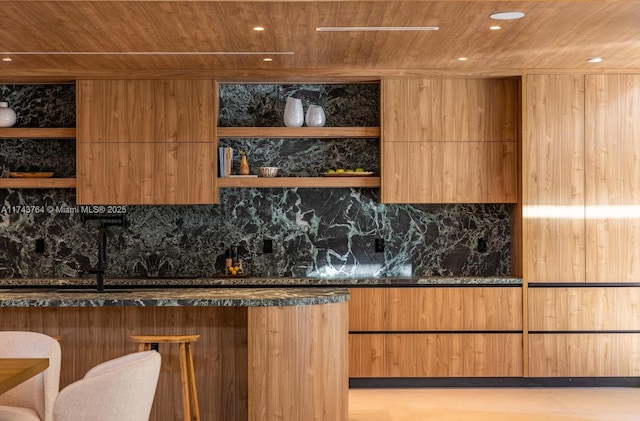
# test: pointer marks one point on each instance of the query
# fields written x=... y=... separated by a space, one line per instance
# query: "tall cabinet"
x=582 y=233
x=146 y=141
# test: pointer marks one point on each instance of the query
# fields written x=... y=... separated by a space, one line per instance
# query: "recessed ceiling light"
x=7 y=59
x=507 y=15
x=258 y=28
x=594 y=60
x=267 y=59
x=375 y=28
x=462 y=59
x=494 y=27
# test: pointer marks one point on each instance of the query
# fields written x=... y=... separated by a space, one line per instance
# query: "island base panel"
x=91 y=335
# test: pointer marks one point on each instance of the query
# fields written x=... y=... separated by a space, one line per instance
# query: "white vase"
x=293 y=114
x=7 y=115
x=315 y=116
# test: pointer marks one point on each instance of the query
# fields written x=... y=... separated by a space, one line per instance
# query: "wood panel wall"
x=251 y=364
x=92 y=335
x=298 y=363
x=612 y=139
x=554 y=197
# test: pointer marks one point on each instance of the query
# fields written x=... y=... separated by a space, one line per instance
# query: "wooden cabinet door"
x=190 y=173
x=189 y=110
x=454 y=355
x=613 y=180
x=448 y=110
x=554 y=172
x=146 y=173
x=121 y=173
x=155 y=142
x=584 y=355
x=367 y=309
x=449 y=172
x=455 y=309
x=584 y=331
x=584 y=309
x=118 y=111
x=449 y=140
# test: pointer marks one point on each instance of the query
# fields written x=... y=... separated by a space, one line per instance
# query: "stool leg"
x=186 y=408
x=193 y=392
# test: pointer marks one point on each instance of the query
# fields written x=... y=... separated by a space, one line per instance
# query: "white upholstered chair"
x=116 y=390
x=33 y=399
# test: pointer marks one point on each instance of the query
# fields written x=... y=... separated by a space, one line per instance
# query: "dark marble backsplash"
x=315 y=232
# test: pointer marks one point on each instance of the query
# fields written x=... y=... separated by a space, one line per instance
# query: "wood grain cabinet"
x=146 y=142
x=584 y=331
x=470 y=331
x=449 y=140
x=581 y=169
x=582 y=176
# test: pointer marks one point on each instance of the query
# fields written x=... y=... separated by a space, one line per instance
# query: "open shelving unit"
x=299 y=132
x=37 y=133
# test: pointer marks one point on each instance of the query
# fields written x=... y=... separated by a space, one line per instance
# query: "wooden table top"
x=14 y=371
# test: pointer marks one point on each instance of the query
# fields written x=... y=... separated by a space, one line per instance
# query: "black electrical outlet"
x=482 y=245
x=39 y=245
x=267 y=246
x=379 y=245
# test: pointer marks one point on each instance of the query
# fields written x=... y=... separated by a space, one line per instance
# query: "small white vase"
x=293 y=114
x=315 y=116
x=7 y=115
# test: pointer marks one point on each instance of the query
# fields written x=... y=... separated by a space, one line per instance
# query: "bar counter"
x=263 y=354
x=164 y=297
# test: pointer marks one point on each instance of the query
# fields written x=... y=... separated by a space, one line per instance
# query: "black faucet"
x=105 y=221
x=100 y=270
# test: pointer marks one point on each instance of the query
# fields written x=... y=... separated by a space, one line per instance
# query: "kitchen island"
x=264 y=353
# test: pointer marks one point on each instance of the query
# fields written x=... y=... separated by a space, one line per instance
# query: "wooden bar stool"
x=190 y=406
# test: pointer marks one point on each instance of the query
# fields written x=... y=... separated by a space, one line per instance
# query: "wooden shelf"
x=301 y=132
x=37 y=183
x=308 y=182
x=37 y=133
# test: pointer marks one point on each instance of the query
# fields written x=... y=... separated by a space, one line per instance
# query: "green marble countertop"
x=155 y=297
x=261 y=282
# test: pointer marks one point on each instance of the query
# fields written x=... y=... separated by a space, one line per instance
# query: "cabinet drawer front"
x=455 y=355
x=367 y=309
x=455 y=308
x=367 y=355
x=449 y=172
x=584 y=355
x=586 y=308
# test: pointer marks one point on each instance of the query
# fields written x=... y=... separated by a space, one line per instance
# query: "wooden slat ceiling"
x=188 y=36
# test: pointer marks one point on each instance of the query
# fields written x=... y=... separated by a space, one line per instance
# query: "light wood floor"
x=499 y=404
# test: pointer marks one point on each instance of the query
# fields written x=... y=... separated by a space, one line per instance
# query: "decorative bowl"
x=268 y=171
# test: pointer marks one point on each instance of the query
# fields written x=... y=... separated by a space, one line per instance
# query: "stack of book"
x=225 y=160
